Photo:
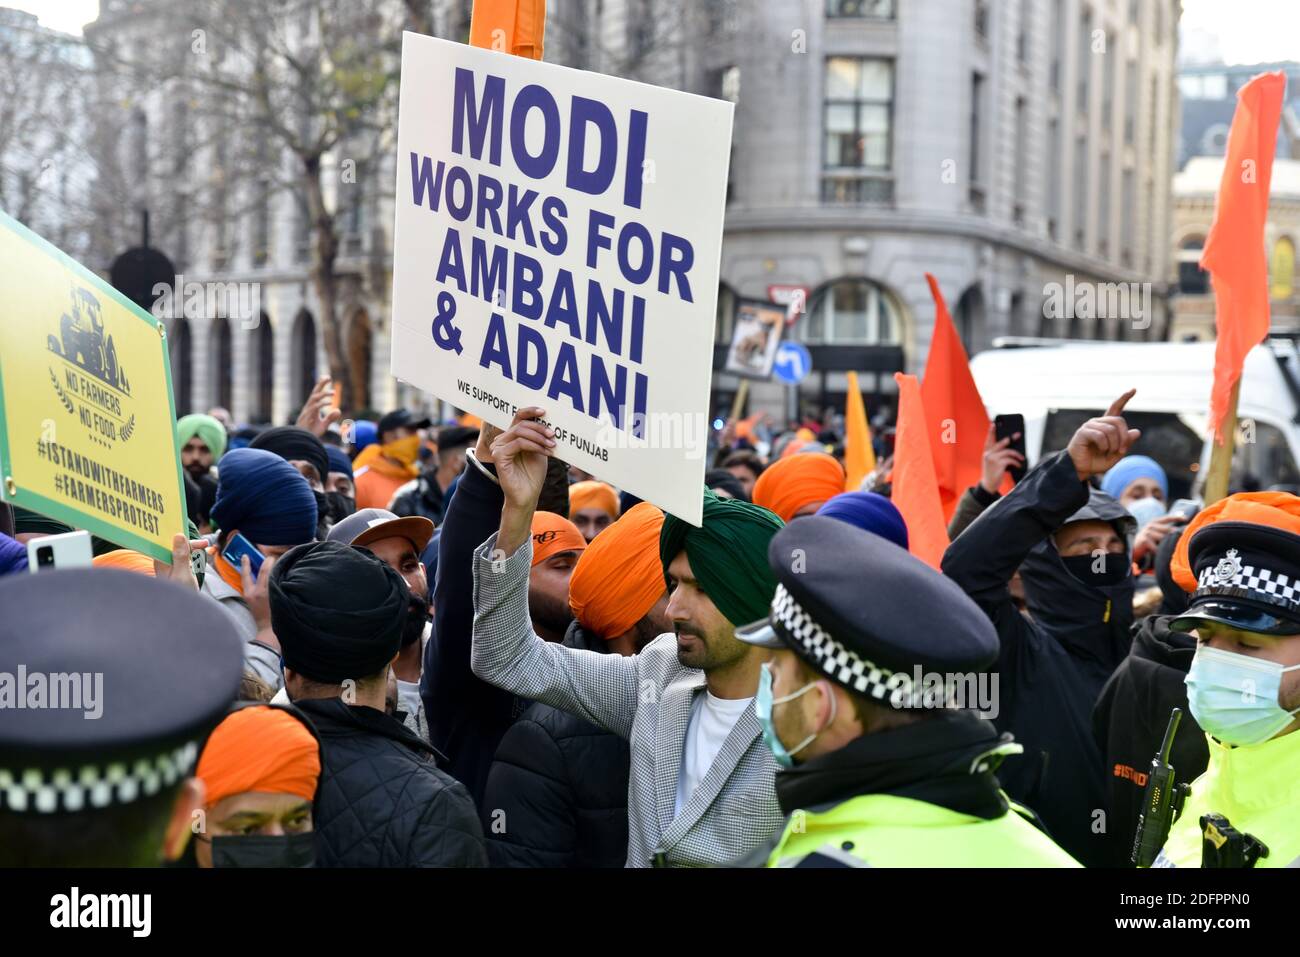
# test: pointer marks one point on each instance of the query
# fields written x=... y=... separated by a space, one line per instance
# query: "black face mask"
x=416 y=619
x=265 y=850
x=340 y=506
x=1114 y=568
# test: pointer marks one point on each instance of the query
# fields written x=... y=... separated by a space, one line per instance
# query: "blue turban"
x=1128 y=470
x=870 y=512
x=13 y=555
x=264 y=497
x=363 y=433
x=339 y=461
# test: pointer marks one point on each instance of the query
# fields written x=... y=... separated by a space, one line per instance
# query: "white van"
x=1057 y=385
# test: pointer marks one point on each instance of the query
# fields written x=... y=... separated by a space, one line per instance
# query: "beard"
x=548 y=611
x=698 y=651
x=197 y=470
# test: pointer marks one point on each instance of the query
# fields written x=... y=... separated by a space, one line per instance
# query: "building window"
x=1130 y=100
x=1058 y=40
x=982 y=19
x=1192 y=280
x=1018 y=207
x=857 y=130
x=1283 y=269
x=976 y=125
x=850 y=311
x=863 y=9
x=1103 y=206
x=1085 y=60
x=1081 y=191
x=1054 y=160
x=1022 y=35
x=1128 y=210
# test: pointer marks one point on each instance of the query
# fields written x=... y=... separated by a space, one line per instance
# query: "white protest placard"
x=557 y=243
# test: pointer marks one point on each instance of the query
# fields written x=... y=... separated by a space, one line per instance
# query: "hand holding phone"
x=237 y=548
x=54 y=552
x=1004 y=452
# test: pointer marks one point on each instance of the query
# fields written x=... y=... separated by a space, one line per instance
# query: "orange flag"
x=511 y=26
x=916 y=489
x=1234 y=249
x=859 y=456
x=954 y=410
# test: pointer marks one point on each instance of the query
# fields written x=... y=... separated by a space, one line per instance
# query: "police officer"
x=862 y=704
x=1240 y=560
x=109 y=683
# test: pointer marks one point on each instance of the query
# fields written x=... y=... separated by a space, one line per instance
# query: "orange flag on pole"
x=859 y=456
x=511 y=26
x=916 y=489
x=954 y=410
x=1234 y=249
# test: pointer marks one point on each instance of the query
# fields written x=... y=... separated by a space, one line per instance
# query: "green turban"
x=27 y=521
x=728 y=555
x=212 y=432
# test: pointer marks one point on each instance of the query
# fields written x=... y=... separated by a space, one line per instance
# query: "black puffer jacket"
x=382 y=802
x=1051 y=667
x=1130 y=721
x=557 y=792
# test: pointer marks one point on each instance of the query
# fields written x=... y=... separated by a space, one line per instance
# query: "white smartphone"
x=53 y=552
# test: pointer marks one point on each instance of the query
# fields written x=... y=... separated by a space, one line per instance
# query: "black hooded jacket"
x=1051 y=666
x=557 y=792
x=1130 y=721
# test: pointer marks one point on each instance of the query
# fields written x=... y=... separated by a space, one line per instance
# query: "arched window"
x=358 y=361
x=1282 y=269
x=221 y=369
x=262 y=370
x=726 y=319
x=969 y=318
x=304 y=356
x=180 y=345
x=850 y=311
x=1192 y=281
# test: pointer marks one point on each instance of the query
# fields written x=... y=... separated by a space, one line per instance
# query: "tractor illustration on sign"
x=82 y=341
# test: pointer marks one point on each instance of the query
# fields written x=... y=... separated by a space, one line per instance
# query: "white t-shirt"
x=711 y=721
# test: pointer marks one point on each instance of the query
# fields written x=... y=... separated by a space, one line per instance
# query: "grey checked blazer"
x=646 y=699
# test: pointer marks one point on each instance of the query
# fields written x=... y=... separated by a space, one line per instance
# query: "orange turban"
x=593 y=495
x=1275 y=509
x=619 y=578
x=260 y=749
x=126 y=560
x=789 y=484
x=553 y=534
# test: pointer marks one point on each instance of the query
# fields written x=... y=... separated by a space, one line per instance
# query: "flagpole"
x=738 y=405
x=1216 y=477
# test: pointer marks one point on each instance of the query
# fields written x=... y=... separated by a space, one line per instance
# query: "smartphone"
x=52 y=552
x=236 y=548
x=1186 y=507
x=1006 y=426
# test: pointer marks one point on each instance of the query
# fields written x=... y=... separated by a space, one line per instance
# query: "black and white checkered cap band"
x=89 y=787
x=842 y=664
x=1247 y=581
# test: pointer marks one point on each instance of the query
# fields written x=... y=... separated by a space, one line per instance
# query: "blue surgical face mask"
x=1235 y=697
x=1146 y=510
x=763 y=705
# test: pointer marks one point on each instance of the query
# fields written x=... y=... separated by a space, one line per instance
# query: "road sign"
x=793 y=363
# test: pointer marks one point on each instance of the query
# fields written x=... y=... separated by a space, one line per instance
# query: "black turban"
x=338 y=611
x=292 y=443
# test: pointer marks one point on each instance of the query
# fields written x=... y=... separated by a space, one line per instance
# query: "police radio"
x=1162 y=802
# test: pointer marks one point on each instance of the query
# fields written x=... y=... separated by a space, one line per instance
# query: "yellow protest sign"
x=87 y=425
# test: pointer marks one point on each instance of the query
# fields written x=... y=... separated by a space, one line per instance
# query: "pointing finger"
x=1117 y=407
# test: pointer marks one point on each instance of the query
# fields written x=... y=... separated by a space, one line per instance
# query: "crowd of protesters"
x=458 y=651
